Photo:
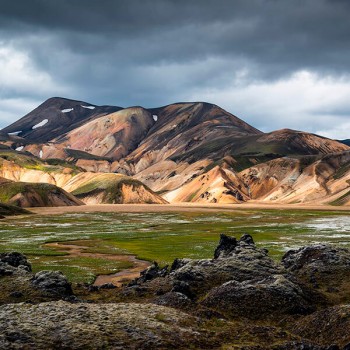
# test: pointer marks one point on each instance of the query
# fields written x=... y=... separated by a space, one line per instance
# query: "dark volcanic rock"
x=319 y=256
x=174 y=299
x=107 y=286
x=226 y=245
x=16 y=260
x=258 y=299
x=52 y=283
x=241 y=281
x=150 y=273
x=323 y=268
x=235 y=260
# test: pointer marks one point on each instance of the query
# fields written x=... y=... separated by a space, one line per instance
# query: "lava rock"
x=15 y=259
x=174 y=299
x=226 y=246
x=52 y=283
x=233 y=260
x=322 y=268
x=318 y=256
x=152 y=272
x=107 y=286
x=263 y=299
x=327 y=326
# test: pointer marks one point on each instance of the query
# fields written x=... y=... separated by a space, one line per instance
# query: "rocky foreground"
x=240 y=299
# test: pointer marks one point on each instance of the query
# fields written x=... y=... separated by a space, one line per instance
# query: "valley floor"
x=180 y=207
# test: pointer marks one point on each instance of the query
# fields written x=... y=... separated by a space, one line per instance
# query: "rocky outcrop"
x=13 y=262
x=241 y=281
x=330 y=325
x=323 y=268
x=259 y=299
x=240 y=299
x=53 y=283
x=18 y=283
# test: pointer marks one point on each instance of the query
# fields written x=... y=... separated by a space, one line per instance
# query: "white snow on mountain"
x=42 y=123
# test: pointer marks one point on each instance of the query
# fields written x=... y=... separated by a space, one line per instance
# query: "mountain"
x=346 y=142
x=24 y=194
x=99 y=188
x=55 y=117
x=193 y=152
x=28 y=181
x=113 y=136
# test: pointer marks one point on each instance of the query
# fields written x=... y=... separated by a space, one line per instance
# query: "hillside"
x=94 y=188
x=55 y=117
x=193 y=151
x=10 y=210
x=25 y=194
x=29 y=181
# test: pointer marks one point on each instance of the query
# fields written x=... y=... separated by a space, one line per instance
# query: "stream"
x=119 y=278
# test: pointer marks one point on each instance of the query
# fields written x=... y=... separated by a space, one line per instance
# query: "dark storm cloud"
x=153 y=52
x=284 y=35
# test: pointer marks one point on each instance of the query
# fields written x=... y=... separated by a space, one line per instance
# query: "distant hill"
x=345 y=142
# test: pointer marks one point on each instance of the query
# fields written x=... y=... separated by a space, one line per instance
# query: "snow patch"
x=155 y=117
x=42 y=123
x=41 y=154
x=67 y=110
x=19 y=148
x=88 y=107
x=15 y=133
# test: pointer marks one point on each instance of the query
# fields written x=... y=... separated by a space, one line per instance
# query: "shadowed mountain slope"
x=55 y=117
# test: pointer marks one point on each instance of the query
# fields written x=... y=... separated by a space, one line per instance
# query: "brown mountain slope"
x=94 y=188
x=112 y=136
x=216 y=186
x=182 y=127
x=18 y=169
x=307 y=179
x=304 y=180
x=24 y=194
x=277 y=143
x=189 y=152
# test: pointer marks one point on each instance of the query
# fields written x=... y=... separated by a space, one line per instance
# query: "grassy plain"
x=162 y=236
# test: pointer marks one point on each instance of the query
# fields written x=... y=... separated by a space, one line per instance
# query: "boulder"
x=152 y=272
x=52 y=283
x=234 y=260
x=16 y=260
x=260 y=299
x=322 y=268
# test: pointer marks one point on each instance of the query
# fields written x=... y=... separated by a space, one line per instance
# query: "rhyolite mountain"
x=193 y=152
x=55 y=117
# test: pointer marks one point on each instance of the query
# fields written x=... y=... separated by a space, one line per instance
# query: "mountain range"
x=183 y=152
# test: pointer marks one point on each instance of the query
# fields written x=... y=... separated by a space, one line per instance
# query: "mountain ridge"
x=170 y=148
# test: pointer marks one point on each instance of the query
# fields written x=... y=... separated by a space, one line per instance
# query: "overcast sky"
x=273 y=63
